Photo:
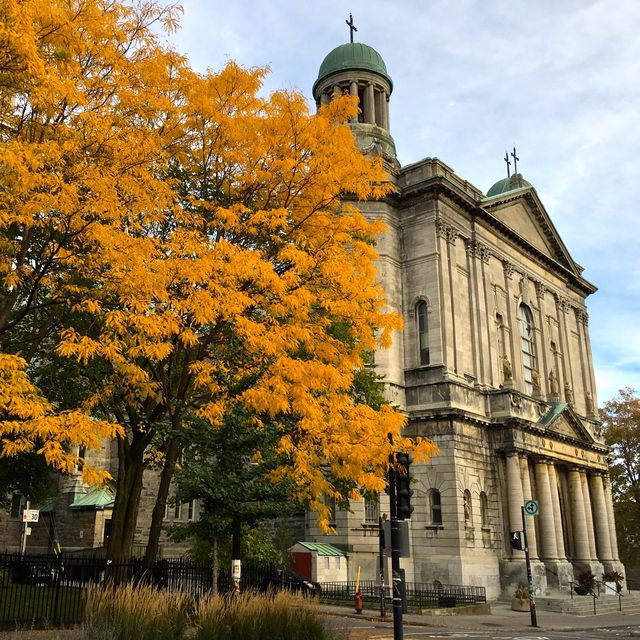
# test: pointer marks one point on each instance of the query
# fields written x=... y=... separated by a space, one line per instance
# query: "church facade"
x=493 y=364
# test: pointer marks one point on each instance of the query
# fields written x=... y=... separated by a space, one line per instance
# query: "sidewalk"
x=501 y=617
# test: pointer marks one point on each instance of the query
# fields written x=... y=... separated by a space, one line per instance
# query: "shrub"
x=136 y=613
x=522 y=591
x=587 y=580
x=280 y=616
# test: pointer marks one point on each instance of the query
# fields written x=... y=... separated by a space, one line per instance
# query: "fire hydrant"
x=358 y=602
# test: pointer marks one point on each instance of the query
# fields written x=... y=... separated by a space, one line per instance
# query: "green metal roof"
x=555 y=411
x=323 y=549
x=352 y=56
x=100 y=499
x=505 y=185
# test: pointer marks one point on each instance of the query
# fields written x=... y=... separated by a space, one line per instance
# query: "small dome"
x=508 y=184
x=352 y=56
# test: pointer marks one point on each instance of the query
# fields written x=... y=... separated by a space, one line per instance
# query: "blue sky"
x=560 y=80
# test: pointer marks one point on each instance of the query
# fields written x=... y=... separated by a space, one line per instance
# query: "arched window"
x=435 y=506
x=466 y=505
x=422 y=322
x=525 y=321
x=484 y=509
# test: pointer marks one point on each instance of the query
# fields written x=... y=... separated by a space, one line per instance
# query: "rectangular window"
x=177 y=512
x=326 y=562
x=371 y=509
x=436 y=507
x=337 y=562
x=192 y=510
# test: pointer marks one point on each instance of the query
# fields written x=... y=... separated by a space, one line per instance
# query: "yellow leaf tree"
x=86 y=102
x=234 y=295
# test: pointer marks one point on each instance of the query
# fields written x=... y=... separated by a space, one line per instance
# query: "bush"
x=136 y=613
x=280 y=616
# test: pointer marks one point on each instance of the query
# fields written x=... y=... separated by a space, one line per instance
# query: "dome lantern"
x=357 y=69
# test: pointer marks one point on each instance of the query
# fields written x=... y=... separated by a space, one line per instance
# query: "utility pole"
x=25 y=528
x=236 y=564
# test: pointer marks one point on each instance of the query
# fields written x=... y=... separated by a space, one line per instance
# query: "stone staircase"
x=584 y=605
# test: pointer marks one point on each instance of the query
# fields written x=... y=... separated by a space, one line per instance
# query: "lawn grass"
x=22 y=604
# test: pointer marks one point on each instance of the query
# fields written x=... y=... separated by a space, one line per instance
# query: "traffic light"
x=403 y=488
x=516 y=540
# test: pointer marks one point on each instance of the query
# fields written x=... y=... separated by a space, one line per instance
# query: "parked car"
x=287 y=579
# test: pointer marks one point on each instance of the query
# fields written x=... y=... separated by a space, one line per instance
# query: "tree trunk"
x=127 y=501
x=215 y=565
x=157 y=517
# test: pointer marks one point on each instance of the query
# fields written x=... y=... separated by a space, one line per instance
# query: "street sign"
x=27 y=531
x=30 y=515
x=531 y=507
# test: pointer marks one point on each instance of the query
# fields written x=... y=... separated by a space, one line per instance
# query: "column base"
x=514 y=571
x=580 y=566
x=615 y=565
x=559 y=573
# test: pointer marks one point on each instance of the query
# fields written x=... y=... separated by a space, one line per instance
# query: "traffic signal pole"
x=382 y=544
x=398 y=632
x=527 y=558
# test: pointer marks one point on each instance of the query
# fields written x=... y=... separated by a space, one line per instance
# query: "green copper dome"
x=508 y=184
x=352 y=56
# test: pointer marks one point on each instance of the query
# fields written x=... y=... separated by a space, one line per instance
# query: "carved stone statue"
x=568 y=393
x=507 y=371
x=588 y=399
x=553 y=383
x=535 y=382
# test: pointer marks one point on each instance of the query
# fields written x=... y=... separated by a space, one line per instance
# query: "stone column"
x=369 y=105
x=613 y=537
x=353 y=90
x=603 y=537
x=515 y=498
x=528 y=495
x=580 y=537
x=557 y=516
x=385 y=111
x=588 y=512
x=547 y=521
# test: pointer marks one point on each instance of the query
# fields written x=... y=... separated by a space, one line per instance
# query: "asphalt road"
x=384 y=631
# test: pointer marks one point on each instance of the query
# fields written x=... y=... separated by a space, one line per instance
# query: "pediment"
x=563 y=421
x=522 y=212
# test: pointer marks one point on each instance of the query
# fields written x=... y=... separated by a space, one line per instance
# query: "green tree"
x=621 y=419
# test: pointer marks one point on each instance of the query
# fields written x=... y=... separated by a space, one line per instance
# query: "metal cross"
x=506 y=159
x=515 y=161
x=352 y=27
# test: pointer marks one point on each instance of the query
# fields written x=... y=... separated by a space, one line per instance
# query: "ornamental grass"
x=276 y=616
x=136 y=613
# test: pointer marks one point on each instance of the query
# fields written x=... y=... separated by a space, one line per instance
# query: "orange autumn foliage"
x=200 y=231
x=85 y=104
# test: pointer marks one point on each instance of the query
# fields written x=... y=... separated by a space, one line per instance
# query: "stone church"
x=494 y=365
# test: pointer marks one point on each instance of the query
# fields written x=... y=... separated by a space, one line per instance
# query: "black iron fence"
x=419 y=595
x=51 y=589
